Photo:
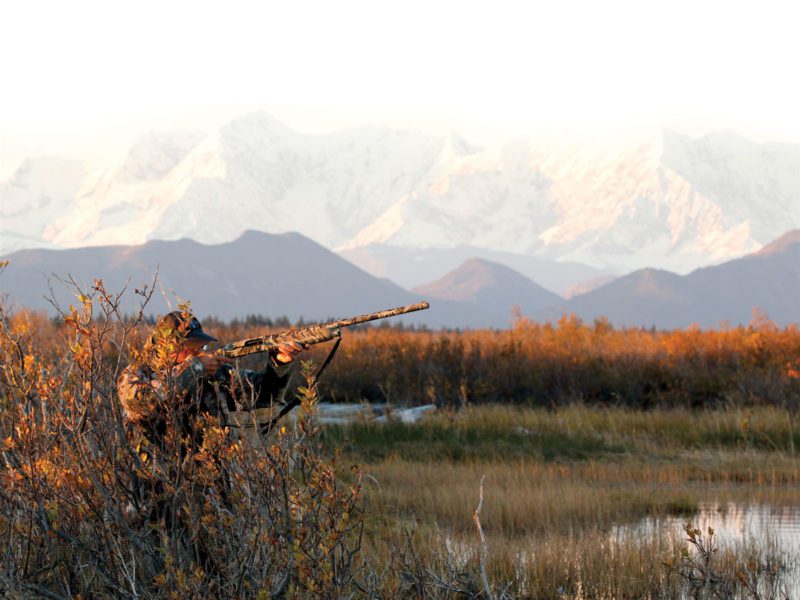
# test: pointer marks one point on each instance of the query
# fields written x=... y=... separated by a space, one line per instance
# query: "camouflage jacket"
x=150 y=400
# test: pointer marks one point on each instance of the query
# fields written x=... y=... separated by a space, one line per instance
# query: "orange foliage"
x=553 y=364
x=84 y=513
x=532 y=363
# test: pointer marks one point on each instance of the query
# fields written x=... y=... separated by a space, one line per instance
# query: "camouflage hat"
x=185 y=323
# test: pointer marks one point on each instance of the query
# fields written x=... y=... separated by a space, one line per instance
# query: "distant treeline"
x=278 y=323
x=568 y=362
x=546 y=364
x=554 y=364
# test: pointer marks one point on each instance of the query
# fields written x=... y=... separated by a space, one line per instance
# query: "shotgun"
x=313 y=334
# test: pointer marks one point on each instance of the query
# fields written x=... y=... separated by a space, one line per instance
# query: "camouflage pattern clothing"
x=150 y=401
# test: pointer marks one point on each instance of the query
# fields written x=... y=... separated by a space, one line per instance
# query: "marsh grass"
x=533 y=497
x=559 y=484
x=575 y=432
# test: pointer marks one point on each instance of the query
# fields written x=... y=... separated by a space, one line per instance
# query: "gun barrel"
x=400 y=310
x=313 y=334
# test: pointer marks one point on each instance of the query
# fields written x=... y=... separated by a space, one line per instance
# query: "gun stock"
x=314 y=334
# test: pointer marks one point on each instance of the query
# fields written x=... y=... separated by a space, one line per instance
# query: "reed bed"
x=530 y=497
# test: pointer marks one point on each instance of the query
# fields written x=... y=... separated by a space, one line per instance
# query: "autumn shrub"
x=85 y=511
x=545 y=364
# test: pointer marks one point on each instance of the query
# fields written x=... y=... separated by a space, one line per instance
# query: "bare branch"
x=485 y=548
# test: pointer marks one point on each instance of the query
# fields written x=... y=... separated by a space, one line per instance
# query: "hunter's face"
x=190 y=347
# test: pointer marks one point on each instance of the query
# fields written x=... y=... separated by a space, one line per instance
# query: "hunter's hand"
x=288 y=352
x=212 y=362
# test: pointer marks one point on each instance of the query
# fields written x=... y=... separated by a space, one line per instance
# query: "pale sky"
x=81 y=78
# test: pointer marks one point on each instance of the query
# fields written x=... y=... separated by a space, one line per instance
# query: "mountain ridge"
x=494 y=287
x=411 y=267
x=731 y=292
x=293 y=276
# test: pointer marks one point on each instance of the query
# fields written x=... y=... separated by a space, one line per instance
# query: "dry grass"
x=551 y=520
x=529 y=497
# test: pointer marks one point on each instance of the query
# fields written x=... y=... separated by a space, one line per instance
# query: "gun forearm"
x=315 y=334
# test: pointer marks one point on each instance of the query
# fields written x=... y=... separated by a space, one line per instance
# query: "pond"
x=774 y=530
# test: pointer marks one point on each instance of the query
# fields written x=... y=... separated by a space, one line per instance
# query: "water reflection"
x=754 y=526
x=735 y=523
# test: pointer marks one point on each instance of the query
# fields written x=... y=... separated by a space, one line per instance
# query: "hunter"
x=191 y=383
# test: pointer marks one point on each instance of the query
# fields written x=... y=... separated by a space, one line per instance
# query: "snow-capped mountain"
x=39 y=193
x=254 y=173
x=667 y=201
x=662 y=199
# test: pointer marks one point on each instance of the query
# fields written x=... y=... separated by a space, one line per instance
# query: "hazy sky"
x=81 y=77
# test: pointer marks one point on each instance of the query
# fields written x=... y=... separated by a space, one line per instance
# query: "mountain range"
x=656 y=199
x=273 y=275
x=290 y=275
x=765 y=283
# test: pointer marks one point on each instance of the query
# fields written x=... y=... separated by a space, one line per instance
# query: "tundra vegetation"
x=567 y=431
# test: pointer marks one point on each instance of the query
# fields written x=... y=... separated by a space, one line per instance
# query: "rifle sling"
x=295 y=402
